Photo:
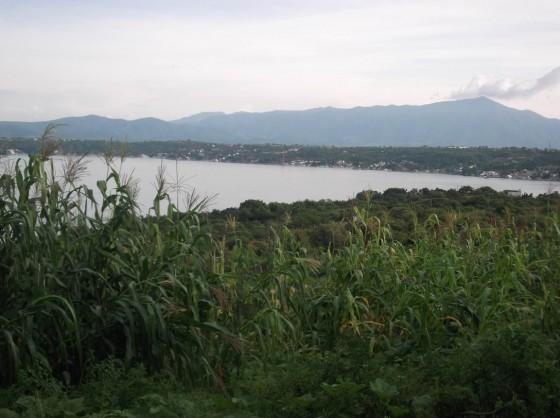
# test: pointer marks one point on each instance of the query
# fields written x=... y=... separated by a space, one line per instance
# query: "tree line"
x=524 y=163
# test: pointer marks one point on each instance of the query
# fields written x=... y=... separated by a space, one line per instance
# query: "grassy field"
x=106 y=313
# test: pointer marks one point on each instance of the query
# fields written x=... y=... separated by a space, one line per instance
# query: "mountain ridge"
x=468 y=122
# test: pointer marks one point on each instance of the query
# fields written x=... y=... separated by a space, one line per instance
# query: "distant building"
x=492 y=174
x=513 y=193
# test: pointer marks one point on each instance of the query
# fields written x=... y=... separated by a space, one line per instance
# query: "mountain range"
x=469 y=122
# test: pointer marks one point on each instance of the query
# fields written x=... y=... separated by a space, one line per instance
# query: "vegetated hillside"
x=473 y=122
x=520 y=163
x=470 y=122
x=324 y=224
x=97 y=128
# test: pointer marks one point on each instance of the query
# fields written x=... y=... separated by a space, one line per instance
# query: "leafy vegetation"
x=325 y=224
x=524 y=163
x=408 y=304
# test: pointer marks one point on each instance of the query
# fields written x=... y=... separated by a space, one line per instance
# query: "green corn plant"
x=84 y=274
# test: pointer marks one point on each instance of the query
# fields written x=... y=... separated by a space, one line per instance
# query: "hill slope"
x=471 y=122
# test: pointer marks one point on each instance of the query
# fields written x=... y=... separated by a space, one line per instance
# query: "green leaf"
x=74 y=406
x=397 y=411
x=383 y=389
x=102 y=186
x=223 y=404
x=422 y=402
x=8 y=413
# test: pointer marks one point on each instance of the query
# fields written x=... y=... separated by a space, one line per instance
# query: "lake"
x=232 y=183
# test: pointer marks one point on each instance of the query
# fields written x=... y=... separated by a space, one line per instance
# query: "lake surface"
x=232 y=183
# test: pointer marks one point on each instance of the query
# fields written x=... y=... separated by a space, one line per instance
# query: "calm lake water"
x=232 y=183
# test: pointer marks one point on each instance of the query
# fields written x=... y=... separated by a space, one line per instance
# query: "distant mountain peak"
x=198 y=117
x=480 y=99
x=478 y=121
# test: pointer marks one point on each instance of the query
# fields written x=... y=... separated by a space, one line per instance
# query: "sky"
x=173 y=58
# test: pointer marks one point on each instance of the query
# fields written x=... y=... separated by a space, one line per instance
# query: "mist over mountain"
x=469 y=122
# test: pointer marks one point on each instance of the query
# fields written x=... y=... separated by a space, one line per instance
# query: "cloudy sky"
x=173 y=58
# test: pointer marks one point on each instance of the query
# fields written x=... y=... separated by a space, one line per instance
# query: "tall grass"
x=84 y=278
x=456 y=280
x=471 y=313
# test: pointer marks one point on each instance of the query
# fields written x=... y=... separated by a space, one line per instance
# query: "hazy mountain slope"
x=466 y=122
x=472 y=122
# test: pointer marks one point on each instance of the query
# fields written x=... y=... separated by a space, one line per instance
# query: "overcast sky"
x=172 y=58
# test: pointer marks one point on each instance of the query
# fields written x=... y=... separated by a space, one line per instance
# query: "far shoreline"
x=170 y=158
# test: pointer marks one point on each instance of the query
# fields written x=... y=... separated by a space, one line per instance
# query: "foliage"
x=82 y=275
x=524 y=163
x=421 y=303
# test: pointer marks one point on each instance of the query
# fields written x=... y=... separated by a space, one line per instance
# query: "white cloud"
x=507 y=88
x=171 y=58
